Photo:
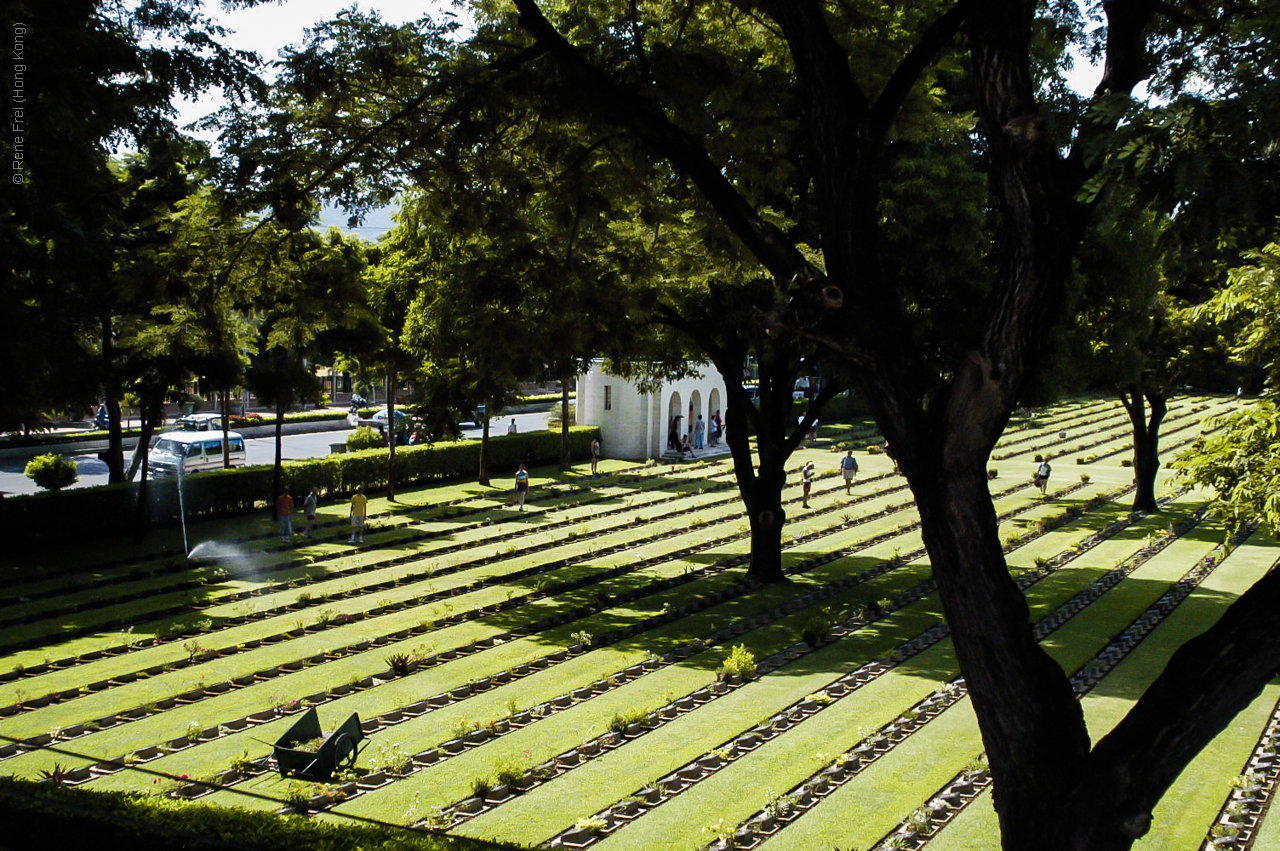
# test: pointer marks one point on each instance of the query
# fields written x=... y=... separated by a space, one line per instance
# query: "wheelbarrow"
x=338 y=749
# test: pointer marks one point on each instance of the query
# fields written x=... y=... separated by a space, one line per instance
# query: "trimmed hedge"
x=109 y=509
x=42 y=815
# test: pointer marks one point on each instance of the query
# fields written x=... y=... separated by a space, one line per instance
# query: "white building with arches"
x=634 y=425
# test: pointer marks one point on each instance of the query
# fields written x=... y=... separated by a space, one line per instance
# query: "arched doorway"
x=713 y=408
x=695 y=411
x=674 y=418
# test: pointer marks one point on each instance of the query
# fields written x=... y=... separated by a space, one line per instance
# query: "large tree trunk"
x=278 y=469
x=1146 y=441
x=565 y=460
x=1051 y=793
x=760 y=487
x=391 y=435
x=484 y=446
x=1034 y=732
x=151 y=412
x=225 y=400
x=112 y=392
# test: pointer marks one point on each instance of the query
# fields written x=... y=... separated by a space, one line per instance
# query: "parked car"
x=193 y=451
x=199 y=422
x=402 y=425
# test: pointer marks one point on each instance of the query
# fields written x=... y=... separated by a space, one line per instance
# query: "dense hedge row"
x=110 y=509
x=41 y=815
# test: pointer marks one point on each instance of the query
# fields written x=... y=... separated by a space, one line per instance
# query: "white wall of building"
x=634 y=425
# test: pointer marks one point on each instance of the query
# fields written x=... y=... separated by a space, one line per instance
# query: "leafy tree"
x=1240 y=460
x=65 y=225
x=315 y=286
x=944 y=409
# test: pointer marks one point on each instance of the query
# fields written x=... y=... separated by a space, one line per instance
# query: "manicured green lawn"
x=608 y=554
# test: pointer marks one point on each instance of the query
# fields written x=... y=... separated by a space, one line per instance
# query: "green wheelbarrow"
x=307 y=752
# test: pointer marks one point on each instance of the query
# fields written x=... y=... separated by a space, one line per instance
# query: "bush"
x=65 y=817
x=365 y=437
x=109 y=509
x=740 y=661
x=1127 y=462
x=553 y=418
x=52 y=472
x=818 y=628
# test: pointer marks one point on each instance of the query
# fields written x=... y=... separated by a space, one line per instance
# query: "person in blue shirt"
x=522 y=486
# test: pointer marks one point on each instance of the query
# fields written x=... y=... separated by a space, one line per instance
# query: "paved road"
x=260 y=450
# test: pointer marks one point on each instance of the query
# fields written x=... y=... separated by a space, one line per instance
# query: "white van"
x=193 y=451
x=199 y=422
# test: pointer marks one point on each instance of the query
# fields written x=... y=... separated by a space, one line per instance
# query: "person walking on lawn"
x=284 y=512
x=1041 y=477
x=309 y=509
x=848 y=469
x=806 y=477
x=522 y=486
x=359 y=512
x=595 y=455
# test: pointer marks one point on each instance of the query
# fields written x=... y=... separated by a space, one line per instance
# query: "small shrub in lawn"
x=1080 y=460
x=818 y=627
x=1084 y=477
x=392 y=758
x=400 y=663
x=740 y=661
x=52 y=472
x=1126 y=462
x=481 y=786
x=243 y=764
x=634 y=715
x=1041 y=561
x=508 y=773
x=873 y=449
x=193 y=732
x=462 y=726
x=591 y=824
x=298 y=795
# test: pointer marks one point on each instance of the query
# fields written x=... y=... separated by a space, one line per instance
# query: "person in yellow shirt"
x=359 y=507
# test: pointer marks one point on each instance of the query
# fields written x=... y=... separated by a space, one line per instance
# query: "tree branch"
x=1207 y=682
x=908 y=72
x=770 y=245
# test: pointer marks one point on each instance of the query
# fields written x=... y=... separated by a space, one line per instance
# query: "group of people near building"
x=700 y=436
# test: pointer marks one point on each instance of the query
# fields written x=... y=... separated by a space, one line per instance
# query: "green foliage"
x=509 y=773
x=52 y=472
x=366 y=437
x=740 y=661
x=1250 y=305
x=63 y=817
x=554 y=420
x=623 y=719
x=109 y=508
x=1240 y=462
x=819 y=626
